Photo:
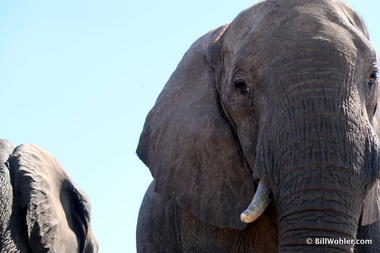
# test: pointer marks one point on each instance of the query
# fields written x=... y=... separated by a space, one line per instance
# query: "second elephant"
x=41 y=209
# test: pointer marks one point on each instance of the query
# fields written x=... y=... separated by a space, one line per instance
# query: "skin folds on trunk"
x=324 y=162
x=315 y=198
x=309 y=214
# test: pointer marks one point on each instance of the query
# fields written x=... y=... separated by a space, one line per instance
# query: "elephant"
x=265 y=137
x=42 y=210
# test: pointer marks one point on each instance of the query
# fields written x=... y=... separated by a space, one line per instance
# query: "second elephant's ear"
x=55 y=212
x=189 y=146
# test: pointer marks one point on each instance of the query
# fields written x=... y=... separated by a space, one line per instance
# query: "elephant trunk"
x=321 y=199
x=322 y=164
x=317 y=220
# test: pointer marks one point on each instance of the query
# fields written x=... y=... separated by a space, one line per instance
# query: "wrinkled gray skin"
x=41 y=209
x=286 y=96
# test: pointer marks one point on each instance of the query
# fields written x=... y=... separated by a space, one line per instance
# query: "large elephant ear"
x=189 y=146
x=56 y=213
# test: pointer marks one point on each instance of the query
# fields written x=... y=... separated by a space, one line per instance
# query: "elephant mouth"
x=258 y=204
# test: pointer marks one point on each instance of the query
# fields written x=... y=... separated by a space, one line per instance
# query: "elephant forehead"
x=290 y=22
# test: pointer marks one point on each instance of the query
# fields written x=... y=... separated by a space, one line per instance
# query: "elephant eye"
x=372 y=79
x=371 y=96
x=371 y=82
x=242 y=86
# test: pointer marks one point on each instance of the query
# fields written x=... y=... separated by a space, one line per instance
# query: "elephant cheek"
x=247 y=138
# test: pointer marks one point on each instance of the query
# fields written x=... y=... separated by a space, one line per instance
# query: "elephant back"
x=11 y=240
x=6 y=196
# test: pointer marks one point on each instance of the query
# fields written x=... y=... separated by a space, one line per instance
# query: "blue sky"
x=78 y=78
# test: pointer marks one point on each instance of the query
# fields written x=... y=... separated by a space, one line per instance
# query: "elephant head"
x=46 y=212
x=284 y=97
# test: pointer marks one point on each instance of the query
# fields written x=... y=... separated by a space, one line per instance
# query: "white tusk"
x=258 y=205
